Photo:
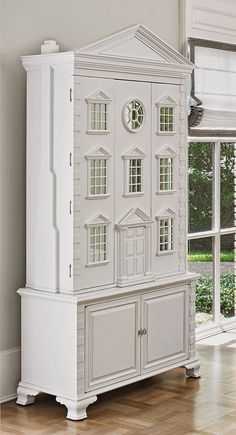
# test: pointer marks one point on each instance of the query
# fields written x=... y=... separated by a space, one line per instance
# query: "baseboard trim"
x=208 y=331
x=10 y=373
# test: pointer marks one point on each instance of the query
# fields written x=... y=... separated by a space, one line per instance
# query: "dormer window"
x=133 y=177
x=165 y=231
x=165 y=170
x=166 y=116
x=98 y=174
x=98 y=116
x=97 y=250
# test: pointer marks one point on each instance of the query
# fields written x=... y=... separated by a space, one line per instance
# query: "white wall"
x=25 y=24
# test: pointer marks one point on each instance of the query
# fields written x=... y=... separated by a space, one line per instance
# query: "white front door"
x=135 y=251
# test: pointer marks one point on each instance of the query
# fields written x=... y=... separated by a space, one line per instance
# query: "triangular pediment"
x=134 y=153
x=135 y=217
x=165 y=213
x=166 y=101
x=136 y=42
x=97 y=219
x=98 y=96
x=166 y=152
x=97 y=153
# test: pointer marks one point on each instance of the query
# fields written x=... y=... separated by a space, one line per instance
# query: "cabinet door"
x=112 y=343
x=165 y=320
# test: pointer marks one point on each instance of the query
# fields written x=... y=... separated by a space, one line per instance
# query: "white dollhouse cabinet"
x=108 y=299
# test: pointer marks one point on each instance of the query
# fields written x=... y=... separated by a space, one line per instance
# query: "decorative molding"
x=97 y=220
x=135 y=217
x=10 y=373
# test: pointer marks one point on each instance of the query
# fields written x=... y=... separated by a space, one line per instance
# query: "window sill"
x=98 y=131
x=166 y=133
x=100 y=263
x=161 y=254
x=98 y=196
x=165 y=192
x=128 y=195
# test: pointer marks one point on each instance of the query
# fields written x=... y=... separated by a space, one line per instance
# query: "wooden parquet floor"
x=168 y=404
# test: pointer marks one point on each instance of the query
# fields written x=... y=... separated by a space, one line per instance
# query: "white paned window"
x=166 y=174
x=97 y=252
x=98 y=165
x=165 y=231
x=98 y=177
x=98 y=116
x=133 y=180
x=166 y=235
x=166 y=119
x=135 y=175
x=166 y=116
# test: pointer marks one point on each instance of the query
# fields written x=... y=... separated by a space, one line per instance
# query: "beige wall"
x=25 y=24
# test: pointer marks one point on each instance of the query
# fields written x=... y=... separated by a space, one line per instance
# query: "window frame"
x=133 y=154
x=166 y=153
x=170 y=216
x=98 y=222
x=124 y=115
x=166 y=102
x=98 y=97
x=216 y=232
x=98 y=154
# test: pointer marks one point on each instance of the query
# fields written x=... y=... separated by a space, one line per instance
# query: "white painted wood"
x=9 y=373
x=214 y=19
x=112 y=342
x=76 y=410
x=97 y=325
x=166 y=339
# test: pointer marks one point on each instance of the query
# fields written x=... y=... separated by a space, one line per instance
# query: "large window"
x=212 y=229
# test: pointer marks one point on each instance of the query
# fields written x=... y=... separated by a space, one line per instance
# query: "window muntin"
x=135 y=175
x=133 y=115
x=166 y=174
x=97 y=244
x=98 y=116
x=166 y=119
x=166 y=227
x=98 y=177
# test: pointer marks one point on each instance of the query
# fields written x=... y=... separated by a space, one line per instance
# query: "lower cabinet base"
x=77 y=409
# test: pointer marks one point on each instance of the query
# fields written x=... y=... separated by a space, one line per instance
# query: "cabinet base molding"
x=76 y=410
x=192 y=369
x=25 y=395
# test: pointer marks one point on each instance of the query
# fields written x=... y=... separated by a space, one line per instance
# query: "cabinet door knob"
x=144 y=332
x=140 y=332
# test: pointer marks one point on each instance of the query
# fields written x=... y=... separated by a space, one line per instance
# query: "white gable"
x=134 y=153
x=135 y=217
x=166 y=152
x=166 y=101
x=97 y=153
x=136 y=42
x=97 y=219
x=98 y=96
x=165 y=213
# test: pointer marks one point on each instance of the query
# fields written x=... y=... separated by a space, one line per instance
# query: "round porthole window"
x=133 y=115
